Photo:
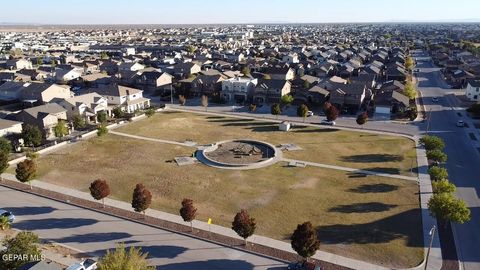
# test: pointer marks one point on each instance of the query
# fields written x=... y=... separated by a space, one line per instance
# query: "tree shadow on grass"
x=371 y=158
x=247 y=124
x=209 y=265
x=374 y=188
x=230 y=120
x=406 y=225
x=268 y=128
x=363 y=208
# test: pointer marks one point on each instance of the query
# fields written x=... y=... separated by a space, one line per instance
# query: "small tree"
x=306 y=84
x=26 y=171
x=3 y=163
x=302 y=111
x=409 y=63
x=447 y=208
x=410 y=91
x=305 y=241
x=99 y=189
x=246 y=71
x=141 y=199
x=5 y=145
x=286 y=99
x=32 y=136
x=61 y=129
x=102 y=117
x=362 y=119
x=123 y=258
x=150 y=112
x=438 y=173
x=118 y=112
x=4 y=223
x=188 y=212
x=102 y=130
x=182 y=100
x=205 y=102
x=432 y=142
x=276 y=110
x=24 y=244
x=437 y=156
x=244 y=225
x=79 y=122
x=443 y=186
x=332 y=113
x=253 y=107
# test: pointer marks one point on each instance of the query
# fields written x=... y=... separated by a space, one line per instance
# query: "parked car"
x=303 y=266
x=327 y=123
x=435 y=99
x=460 y=123
x=309 y=113
x=8 y=214
x=87 y=264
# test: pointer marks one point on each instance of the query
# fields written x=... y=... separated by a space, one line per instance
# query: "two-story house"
x=238 y=89
x=87 y=105
x=45 y=117
x=127 y=98
x=40 y=93
x=271 y=91
x=472 y=92
x=153 y=80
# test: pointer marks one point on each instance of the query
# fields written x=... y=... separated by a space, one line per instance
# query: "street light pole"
x=432 y=235
x=171 y=94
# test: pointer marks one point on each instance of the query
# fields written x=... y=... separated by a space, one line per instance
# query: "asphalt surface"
x=94 y=233
x=463 y=157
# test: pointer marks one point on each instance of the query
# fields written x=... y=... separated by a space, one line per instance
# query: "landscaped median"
x=364 y=217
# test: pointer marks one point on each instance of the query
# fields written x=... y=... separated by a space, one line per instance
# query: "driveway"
x=94 y=233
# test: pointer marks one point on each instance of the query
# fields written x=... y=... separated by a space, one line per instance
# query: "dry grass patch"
x=370 y=218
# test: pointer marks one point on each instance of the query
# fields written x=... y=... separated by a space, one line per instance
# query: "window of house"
x=475 y=97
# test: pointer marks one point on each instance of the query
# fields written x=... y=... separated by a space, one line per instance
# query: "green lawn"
x=367 y=151
x=369 y=218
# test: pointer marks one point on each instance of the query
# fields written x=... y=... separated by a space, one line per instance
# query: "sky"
x=236 y=12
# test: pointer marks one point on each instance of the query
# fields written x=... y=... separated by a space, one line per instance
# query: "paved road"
x=94 y=232
x=463 y=158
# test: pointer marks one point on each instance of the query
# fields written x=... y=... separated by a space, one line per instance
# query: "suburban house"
x=472 y=92
x=127 y=98
x=11 y=91
x=40 y=93
x=271 y=91
x=87 y=105
x=207 y=85
x=184 y=70
x=8 y=127
x=45 y=117
x=238 y=89
x=315 y=95
x=66 y=75
x=389 y=102
x=153 y=80
x=17 y=64
x=126 y=66
x=283 y=73
x=348 y=96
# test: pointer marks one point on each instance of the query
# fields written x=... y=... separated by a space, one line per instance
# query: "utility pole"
x=171 y=94
x=432 y=235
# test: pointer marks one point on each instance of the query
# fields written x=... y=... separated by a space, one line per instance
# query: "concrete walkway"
x=188 y=144
x=360 y=171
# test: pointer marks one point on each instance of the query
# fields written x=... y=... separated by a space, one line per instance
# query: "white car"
x=8 y=215
x=87 y=264
x=460 y=123
x=327 y=123
x=309 y=113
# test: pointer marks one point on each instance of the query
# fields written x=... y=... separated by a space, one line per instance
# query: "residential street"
x=463 y=156
x=93 y=232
